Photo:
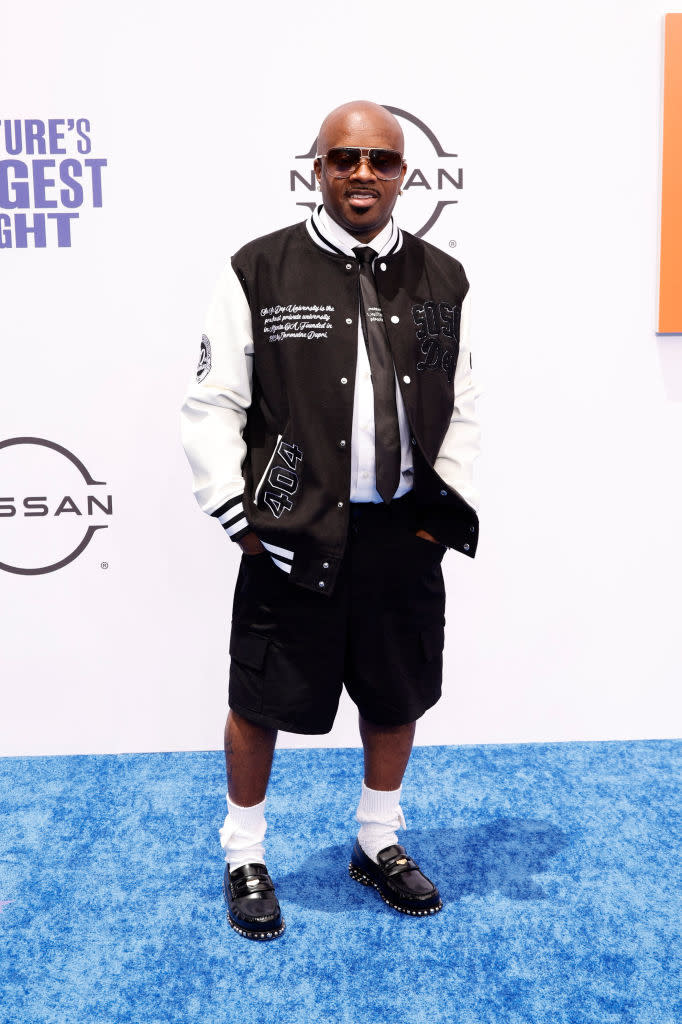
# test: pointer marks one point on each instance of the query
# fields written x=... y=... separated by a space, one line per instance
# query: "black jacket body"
x=303 y=302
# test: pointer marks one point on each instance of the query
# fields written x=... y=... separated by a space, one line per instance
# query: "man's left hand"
x=427 y=536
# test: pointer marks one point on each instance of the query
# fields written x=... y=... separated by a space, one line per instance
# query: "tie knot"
x=364 y=254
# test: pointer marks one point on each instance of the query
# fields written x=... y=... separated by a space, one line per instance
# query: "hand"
x=427 y=536
x=250 y=544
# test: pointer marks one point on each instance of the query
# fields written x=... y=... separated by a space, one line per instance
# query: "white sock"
x=241 y=835
x=380 y=814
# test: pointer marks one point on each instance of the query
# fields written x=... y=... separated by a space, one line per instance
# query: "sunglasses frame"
x=366 y=151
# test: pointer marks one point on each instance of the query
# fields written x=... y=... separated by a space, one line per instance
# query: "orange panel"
x=670 y=293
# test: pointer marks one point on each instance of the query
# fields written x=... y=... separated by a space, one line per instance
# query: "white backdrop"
x=565 y=625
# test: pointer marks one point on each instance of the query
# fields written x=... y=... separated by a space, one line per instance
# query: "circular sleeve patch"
x=204 y=358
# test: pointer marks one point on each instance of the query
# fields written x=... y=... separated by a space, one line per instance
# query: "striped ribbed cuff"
x=232 y=518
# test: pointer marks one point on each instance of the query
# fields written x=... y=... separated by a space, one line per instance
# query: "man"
x=332 y=433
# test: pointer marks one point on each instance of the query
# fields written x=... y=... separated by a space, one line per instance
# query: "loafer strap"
x=249 y=886
x=394 y=860
x=250 y=878
x=400 y=864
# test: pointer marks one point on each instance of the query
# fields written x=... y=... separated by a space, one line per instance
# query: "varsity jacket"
x=266 y=424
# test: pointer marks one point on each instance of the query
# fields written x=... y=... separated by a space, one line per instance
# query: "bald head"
x=363 y=120
x=361 y=201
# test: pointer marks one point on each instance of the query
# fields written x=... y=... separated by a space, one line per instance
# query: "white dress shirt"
x=363 y=480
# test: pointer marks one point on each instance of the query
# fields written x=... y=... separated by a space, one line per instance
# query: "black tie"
x=386 y=429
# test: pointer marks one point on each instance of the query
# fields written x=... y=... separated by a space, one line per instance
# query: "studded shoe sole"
x=358 y=875
x=247 y=933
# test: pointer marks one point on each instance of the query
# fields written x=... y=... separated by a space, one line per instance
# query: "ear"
x=402 y=174
x=317 y=166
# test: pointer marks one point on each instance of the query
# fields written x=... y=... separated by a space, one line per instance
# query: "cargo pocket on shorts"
x=247 y=651
x=432 y=640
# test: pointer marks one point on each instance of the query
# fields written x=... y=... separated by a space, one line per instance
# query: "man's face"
x=361 y=203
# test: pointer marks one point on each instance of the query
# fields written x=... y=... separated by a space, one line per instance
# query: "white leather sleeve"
x=213 y=414
x=461 y=444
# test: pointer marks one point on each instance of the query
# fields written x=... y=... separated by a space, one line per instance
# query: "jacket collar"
x=339 y=243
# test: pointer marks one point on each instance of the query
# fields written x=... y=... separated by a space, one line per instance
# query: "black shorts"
x=380 y=632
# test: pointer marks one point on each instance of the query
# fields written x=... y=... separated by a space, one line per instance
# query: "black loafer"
x=398 y=879
x=252 y=907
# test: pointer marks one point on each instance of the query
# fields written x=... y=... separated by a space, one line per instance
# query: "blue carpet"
x=559 y=866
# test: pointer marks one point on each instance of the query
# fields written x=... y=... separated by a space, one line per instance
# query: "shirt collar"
x=330 y=236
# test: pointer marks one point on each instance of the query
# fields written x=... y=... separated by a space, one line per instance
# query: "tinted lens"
x=341 y=162
x=386 y=162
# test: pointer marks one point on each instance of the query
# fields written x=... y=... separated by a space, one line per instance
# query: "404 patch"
x=280 y=480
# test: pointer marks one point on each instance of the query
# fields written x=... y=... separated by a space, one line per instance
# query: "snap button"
x=344 y=380
x=413 y=440
x=444 y=494
x=321 y=583
x=466 y=547
x=472 y=529
x=339 y=504
x=348 y=320
x=406 y=379
x=349 y=266
x=325 y=565
x=382 y=266
x=342 y=444
x=395 y=319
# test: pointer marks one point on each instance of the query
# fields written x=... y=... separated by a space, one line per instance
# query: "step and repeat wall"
x=140 y=146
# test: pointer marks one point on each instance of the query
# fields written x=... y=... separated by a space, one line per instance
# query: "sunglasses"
x=342 y=161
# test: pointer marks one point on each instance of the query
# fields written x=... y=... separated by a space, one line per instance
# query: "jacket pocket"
x=259 y=487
